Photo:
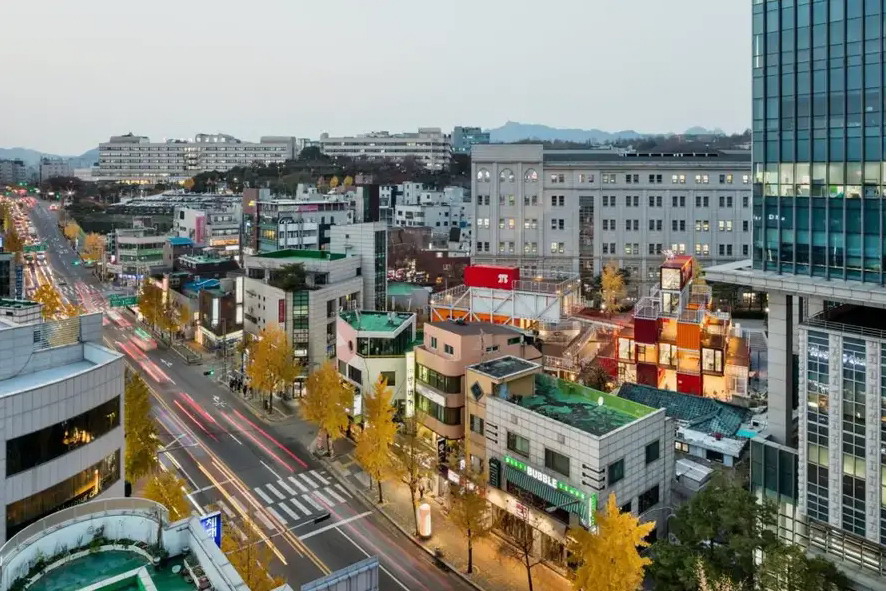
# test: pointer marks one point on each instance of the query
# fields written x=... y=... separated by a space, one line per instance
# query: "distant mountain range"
x=515 y=132
x=32 y=157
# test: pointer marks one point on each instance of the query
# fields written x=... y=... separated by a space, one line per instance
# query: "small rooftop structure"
x=463 y=328
x=180 y=241
x=505 y=367
x=700 y=414
x=13 y=312
x=374 y=321
x=581 y=407
x=321 y=255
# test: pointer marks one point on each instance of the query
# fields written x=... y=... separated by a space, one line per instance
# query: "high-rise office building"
x=819 y=251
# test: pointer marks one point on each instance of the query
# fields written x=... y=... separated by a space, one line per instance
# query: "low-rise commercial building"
x=138 y=251
x=554 y=452
x=13 y=172
x=374 y=345
x=61 y=397
x=214 y=226
x=54 y=168
x=305 y=309
x=465 y=137
x=299 y=224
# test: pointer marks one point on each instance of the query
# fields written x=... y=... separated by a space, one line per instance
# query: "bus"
x=144 y=340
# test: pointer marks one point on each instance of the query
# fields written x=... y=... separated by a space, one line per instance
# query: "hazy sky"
x=72 y=73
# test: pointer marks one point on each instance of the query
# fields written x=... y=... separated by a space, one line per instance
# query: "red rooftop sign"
x=491 y=276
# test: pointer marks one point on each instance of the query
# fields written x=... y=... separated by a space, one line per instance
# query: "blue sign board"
x=212 y=523
x=19 y=282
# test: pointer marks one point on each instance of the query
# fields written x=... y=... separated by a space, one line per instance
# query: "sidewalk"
x=495 y=568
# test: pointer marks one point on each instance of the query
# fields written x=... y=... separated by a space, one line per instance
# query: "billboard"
x=200 y=229
x=281 y=310
x=491 y=276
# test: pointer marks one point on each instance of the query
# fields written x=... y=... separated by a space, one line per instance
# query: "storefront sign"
x=212 y=523
x=442 y=450
x=453 y=477
x=411 y=384
x=19 y=282
x=281 y=310
x=546 y=478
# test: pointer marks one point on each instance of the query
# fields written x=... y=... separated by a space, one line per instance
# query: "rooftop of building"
x=586 y=409
x=503 y=367
x=180 y=241
x=16 y=304
x=200 y=259
x=118 y=570
x=93 y=356
x=397 y=288
x=473 y=328
x=373 y=321
x=201 y=285
x=566 y=156
x=706 y=415
x=317 y=255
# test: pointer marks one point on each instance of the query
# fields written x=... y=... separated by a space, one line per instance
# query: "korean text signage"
x=281 y=310
x=212 y=523
x=545 y=478
x=411 y=383
x=19 y=282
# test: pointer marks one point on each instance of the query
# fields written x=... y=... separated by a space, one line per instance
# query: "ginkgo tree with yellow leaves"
x=612 y=289
x=608 y=559
x=272 y=366
x=326 y=403
x=373 y=451
x=51 y=299
x=93 y=246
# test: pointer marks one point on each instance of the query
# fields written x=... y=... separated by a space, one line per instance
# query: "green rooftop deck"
x=102 y=566
x=317 y=255
x=9 y=303
x=591 y=411
x=397 y=288
x=372 y=321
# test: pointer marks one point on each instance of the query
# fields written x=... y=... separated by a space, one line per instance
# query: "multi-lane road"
x=258 y=474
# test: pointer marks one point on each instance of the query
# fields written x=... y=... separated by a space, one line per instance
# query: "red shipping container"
x=646 y=330
x=491 y=276
x=690 y=384
x=648 y=374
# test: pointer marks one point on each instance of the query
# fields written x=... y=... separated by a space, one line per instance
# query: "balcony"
x=850 y=319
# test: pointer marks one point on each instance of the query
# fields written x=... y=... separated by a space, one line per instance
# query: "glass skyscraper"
x=818 y=129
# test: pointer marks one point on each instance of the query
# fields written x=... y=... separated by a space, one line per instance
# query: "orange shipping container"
x=688 y=335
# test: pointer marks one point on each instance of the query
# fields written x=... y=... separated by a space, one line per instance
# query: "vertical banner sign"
x=19 y=282
x=200 y=229
x=411 y=384
x=212 y=523
x=281 y=311
x=442 y=450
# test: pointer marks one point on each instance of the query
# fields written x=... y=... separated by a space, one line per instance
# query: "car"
x=61 y=282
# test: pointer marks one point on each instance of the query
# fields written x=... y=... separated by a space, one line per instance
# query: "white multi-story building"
x=555 y=451
x=369 y=242
x=429 y=145
x=577 y=210
x=61 y=399
x=216 y=226
x=13 y=172
x=137 y=159
x=54 y=167
x=300 y=223
x=307 y=313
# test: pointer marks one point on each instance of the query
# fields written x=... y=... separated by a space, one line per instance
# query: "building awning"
x=553 y=496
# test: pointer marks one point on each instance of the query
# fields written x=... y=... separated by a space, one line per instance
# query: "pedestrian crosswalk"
x=300 y=497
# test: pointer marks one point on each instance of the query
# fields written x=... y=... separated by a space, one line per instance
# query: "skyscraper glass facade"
x=818 y=138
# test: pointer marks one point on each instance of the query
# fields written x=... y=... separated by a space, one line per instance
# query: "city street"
x=253 y=471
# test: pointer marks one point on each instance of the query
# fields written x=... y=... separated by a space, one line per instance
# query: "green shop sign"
x=549 y=480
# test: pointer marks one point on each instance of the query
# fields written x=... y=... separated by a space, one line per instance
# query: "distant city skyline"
x=89 y=70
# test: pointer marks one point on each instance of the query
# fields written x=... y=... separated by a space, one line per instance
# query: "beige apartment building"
x=449 y=347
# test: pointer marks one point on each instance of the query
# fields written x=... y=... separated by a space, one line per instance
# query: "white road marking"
x=232 y=435
x=276 y=515
x=297 y=483
x=313 y=503
x=289 y=511
x=307 y=480
x=318 y=477
x=265 y=497
x=276 y=492
x=342 y=490
x=300 y=506
x=334 y=494
x=365 y=553
x=270 y=526
x=322 y=498
x=270 y=470
x=282 y=484
x=225 y=508
x=336 y=525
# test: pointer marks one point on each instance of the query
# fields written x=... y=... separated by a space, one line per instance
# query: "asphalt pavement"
x=255 y=472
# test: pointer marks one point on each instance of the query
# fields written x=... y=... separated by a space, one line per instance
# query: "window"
x=729 y=250
x=531 y=176
x=745 y=179
x=557 y=224
x=557 y=177
x=651 y=452
x=698 y=248
x=702 y=179
x=659 y=200
x=514 y=340
x=501 y=223
x=609 y=178
x=628 y=201
x=729 y=225
x=606 y=248
x=519 y=445
x=628 y=248
x=615 y=472
x=652 y=224
x=658 y=225
x=628 y=224
x=557 y=247
x=390 y=377
x=506 y=175
x=446 y=415
x=652 y=200
x=557 y=462
x=720 y=225
x=586 y=178
x=448 y=349
x=606 y=224
x=729 y=200
x=721 y=249
x=745 y=201
x=483 y=175
x=626 y=508
x=448 y=384
x=476 y=424
x=38 y=447
x=705 y=201
x=745 y=250
x=648 y=500
x=557 y=200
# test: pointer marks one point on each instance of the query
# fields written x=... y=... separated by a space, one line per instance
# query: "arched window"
x=506 y=175
x=483 y=175
x=532 y=176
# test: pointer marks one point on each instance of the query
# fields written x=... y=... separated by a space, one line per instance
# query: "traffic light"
x=209 y=372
